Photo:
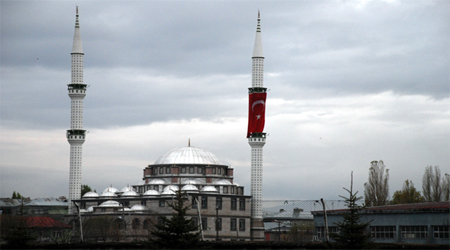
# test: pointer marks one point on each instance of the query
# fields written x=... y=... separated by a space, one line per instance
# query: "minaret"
x=76 y=134
x=256 y=136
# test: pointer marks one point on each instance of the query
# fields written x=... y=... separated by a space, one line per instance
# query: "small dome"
x=90 y=194
x=222 y=182
x=193 y=181
x=90 y=209
x=130 y=193
x=151 y=192
x=83 y=211
x=157 y=182
x=108 y=194
x=209 y=189
x=138 y=207
x=127 y=209
x=188 y=155
x=189 y=188
x=168 y=192
x=110 y=204
x=111 y=189
x=171 y=187
x=127 y=188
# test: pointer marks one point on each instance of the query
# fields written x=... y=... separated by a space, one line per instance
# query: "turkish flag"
x=256 y=113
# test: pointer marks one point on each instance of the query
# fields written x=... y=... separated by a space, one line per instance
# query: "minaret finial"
x=259 y=15
x=189 y=142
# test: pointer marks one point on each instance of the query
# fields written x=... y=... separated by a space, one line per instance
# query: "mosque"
x=217 y=204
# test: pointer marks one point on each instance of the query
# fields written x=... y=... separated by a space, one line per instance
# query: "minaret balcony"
x=77 y=86
x=76 y=134
x=257 y=90
x=257 y=138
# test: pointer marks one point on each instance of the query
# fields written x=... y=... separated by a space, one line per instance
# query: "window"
x=225 y=190
x=135 y=224
x=218 y=224
x=232 y=224
x=204 y=202
x=194 y=221
x=205 y=223
x=219 y=171
x=146 y=224
x=162 y=203
x=191 y=170
x=183 y=170
x=219 y=203
x=214 y=170
x=199 y=170
x=441 y=232
x=412 y=232
x=194 y=202
x=232 y=189
x=161 y=170
x=383 y=232
x=321 y=231
x=242 y=204
x=160 y=222
x=167 y=170
x=233 y=203
x=241 y=224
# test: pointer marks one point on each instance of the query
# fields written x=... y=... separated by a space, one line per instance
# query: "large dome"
x=188 y=155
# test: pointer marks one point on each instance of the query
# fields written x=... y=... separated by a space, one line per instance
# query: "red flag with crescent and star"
x=256 y=113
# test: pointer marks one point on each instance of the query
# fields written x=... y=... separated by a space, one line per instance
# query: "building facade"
x=422 y=223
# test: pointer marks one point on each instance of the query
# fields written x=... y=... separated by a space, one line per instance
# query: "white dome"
x=90 y=194
x=90 y=209
x=138 y=207
x=151 y=192
x=157 y=181
x=222 y=182
x=168 y=192
x=127 y=188
x=193 y=181
x=171 y=187
x=189 y=188
x=188 y=155
x=209 y=189
x=130 y=193
x=108 y=194
x=110 y=204
x=110 y=189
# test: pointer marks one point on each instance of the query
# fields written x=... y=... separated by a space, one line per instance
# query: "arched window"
x=146 y=224
x=135 y=224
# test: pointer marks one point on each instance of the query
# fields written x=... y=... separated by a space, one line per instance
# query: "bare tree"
x=376 y=190
x=446 y=187
x=433 y=187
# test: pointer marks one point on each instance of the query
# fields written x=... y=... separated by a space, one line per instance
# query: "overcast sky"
x=350 y=82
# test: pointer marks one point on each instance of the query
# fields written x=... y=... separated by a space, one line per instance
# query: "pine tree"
x=351 y=231
x=176 y=232
x=14 y=195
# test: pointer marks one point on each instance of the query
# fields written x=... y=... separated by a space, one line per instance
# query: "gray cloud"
x=370 y=78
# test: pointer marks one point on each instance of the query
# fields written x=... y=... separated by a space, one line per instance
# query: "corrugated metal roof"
x=47 y=202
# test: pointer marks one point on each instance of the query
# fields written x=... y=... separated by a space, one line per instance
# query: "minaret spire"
x=76 y=135
x=256 y=136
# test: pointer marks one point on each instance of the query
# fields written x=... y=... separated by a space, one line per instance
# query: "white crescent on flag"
x=256 y=103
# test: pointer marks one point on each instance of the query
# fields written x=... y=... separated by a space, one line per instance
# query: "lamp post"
x=81 y=224
x=325 y=220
